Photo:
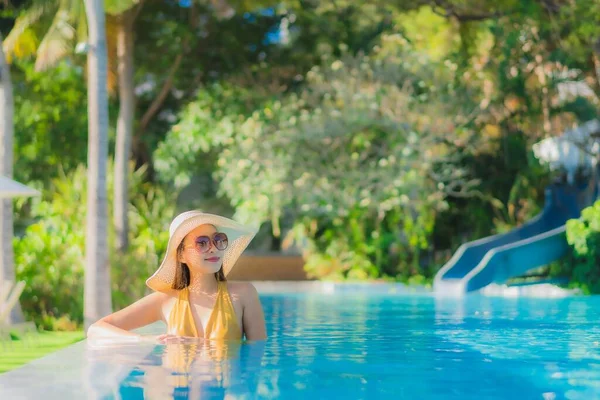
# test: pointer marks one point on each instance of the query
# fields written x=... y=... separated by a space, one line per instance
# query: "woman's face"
x=205 y=262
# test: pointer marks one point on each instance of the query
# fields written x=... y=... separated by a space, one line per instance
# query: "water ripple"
x=345 y=346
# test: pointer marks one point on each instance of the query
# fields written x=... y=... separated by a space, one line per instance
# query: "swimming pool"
x=353 y=345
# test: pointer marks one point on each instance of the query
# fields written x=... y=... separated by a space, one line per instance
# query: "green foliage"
x=117 y=7
x=526 y=67
x=50 y=256
x=518 y=71
x=360 y=246
x=369 y=167
x=511 y=192
x=206 y=124
x=349 y=123
x=429 y=32
x=581 y=29
x=583 y=235
x=372 y=158
x=47 y=30
x=50 y=122
x=150 y=214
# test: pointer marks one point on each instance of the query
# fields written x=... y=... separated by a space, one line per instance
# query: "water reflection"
x=356 y=346
x=194 y=370
x=552 y=344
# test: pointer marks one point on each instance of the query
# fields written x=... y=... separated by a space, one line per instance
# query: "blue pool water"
x=349 y=346
x=384 y=346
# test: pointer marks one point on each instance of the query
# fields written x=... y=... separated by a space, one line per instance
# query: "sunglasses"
x=219 y=240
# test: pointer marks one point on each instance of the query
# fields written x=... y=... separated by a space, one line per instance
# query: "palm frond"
x=25 y=47
x=38 y=10
x=57 y=43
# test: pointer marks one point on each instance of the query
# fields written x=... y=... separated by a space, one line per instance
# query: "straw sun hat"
x=239 y=237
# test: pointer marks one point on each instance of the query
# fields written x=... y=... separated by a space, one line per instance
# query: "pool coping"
x=325 y=287
x=539 y=290
x=41 y=378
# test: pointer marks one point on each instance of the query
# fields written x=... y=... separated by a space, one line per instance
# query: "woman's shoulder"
x=163 y=301
x=162 y=297
x=240 y=286
x=242 y=289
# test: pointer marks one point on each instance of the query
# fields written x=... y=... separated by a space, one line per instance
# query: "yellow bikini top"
x=222 y=323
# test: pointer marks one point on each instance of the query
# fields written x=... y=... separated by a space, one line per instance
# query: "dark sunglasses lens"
x=221 y=241
x=203 y=243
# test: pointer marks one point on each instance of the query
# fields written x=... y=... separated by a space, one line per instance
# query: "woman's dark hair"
x=182 y=272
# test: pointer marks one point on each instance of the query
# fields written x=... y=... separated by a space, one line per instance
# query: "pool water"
x=350 y=346
x=385 y=346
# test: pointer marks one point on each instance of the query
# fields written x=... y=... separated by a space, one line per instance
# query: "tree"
x=126 y=118
x=7 y=271
x=69 y=26
x=126 y=13
x=97 y=294
x=374 y=142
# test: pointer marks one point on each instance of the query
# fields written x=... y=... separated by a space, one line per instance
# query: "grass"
x=20 y=352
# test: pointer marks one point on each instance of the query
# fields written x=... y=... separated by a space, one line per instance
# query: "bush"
x=362 y=246
x=150 y=214
x=582 y=265
x=50 y=255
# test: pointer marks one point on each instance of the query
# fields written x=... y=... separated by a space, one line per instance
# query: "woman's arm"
x=253 y=317
x=119 y=324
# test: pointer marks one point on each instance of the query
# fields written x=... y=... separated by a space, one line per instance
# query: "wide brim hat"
x=239 y=237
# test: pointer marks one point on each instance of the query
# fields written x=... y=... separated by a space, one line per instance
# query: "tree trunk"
x=124 y=128
x=97 y=299
x=7 y=269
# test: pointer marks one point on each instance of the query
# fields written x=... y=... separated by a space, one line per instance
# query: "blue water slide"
x=497 y=258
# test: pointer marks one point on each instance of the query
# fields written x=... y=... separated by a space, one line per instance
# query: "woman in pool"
x=191 y=294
